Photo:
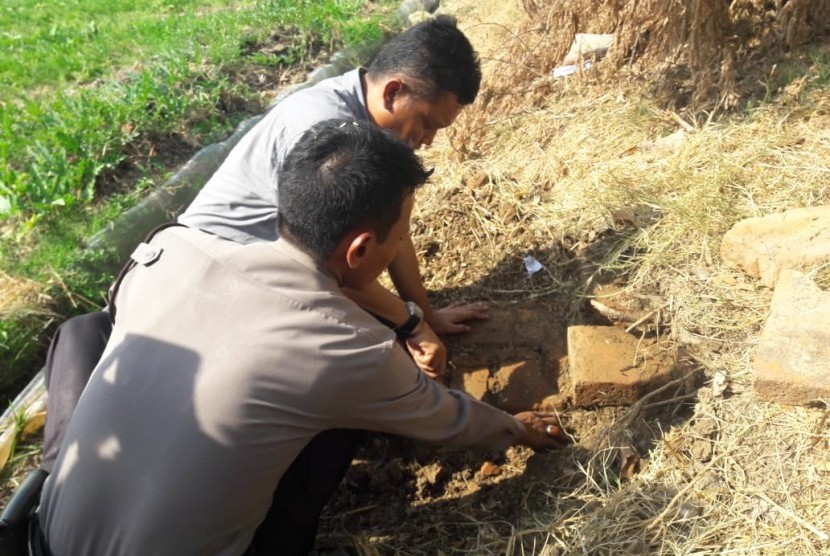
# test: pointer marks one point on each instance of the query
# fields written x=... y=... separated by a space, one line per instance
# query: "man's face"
x=416 y=120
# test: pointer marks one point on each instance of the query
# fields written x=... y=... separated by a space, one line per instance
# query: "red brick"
x=793 y=355
x=611 y=367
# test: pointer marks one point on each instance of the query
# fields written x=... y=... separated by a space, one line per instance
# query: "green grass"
x=797 y=75
x=85 y=85
x=76 y=41
x=82 y=79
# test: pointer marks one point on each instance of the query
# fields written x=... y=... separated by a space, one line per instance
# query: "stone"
x=588 y=46
x=792 y=361
x=409 y=7
x=418 y=17
x=797 y=239
x=611 y=367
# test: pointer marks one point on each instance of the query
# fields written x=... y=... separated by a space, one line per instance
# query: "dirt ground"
x=402 y=497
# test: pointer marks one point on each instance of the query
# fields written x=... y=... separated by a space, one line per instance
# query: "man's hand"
x=428 y=352
x=542 y=432
x=451 y=319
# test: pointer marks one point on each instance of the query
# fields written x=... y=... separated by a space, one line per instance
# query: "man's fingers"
x=538 y=440
x=432 y=364
x=433 y=375
x=460 y=312
x=556 y=432
x=452 y=328
x=543 y=432
x=427 y=351
x=477 y=306
x=451 y=319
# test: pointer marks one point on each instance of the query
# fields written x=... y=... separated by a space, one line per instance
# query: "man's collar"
x=295 y=253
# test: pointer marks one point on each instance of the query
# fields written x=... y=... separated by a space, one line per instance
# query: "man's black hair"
x=436 y=54
x=341 y=175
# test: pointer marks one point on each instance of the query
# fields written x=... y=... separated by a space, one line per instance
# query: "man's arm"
x=426 y=349
x=404 y=403
x=406 y=276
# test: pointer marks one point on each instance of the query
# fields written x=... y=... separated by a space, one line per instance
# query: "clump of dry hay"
x=19 y=296
x=600 y=181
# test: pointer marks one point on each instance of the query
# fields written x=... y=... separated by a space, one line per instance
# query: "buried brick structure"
x=514 y=360
x=522 y=359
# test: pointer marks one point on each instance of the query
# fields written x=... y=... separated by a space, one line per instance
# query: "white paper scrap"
x=532 y=265
x=564 y=71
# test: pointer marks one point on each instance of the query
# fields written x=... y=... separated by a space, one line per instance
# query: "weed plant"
x=69 y=107
x=87 y=84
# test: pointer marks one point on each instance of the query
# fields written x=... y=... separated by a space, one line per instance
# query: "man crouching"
x=226 y=360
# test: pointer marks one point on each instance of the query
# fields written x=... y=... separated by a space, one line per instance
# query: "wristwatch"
x=416 y=315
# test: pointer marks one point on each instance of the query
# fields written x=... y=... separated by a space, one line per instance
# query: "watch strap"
x=415 y=317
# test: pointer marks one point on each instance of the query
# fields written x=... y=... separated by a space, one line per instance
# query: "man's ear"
x=391 y=91
x=357 y=249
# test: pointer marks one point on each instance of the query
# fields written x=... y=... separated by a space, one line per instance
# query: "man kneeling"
x=226 y=360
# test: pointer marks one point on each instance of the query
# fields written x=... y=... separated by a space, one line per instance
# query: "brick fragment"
x=611 y=367
x=762 y=247
x=793 y=355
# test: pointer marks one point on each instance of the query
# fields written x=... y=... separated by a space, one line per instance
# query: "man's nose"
x=427 y=139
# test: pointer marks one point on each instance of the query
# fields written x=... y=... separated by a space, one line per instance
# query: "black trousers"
x=75 y=350
x=291 y=524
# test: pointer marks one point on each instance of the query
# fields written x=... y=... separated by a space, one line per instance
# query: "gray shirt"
x=239 y=202
x=225 y=360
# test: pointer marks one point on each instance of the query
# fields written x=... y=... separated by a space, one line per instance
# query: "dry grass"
x=577 y=177
x=758 y=489
x=20 y=296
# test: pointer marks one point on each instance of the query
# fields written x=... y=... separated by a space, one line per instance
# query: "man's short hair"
x=341 y=175
x=436 y=54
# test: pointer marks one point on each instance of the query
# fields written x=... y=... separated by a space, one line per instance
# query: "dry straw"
x=19 y=296
x=601 y=180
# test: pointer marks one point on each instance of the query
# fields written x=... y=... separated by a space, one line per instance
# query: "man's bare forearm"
x=379 y=301
x=428 y=352
x=406 y=275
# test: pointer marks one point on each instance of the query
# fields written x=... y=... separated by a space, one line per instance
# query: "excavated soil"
x=403 y=496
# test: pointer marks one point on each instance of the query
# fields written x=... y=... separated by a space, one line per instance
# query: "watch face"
x=415 y=309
